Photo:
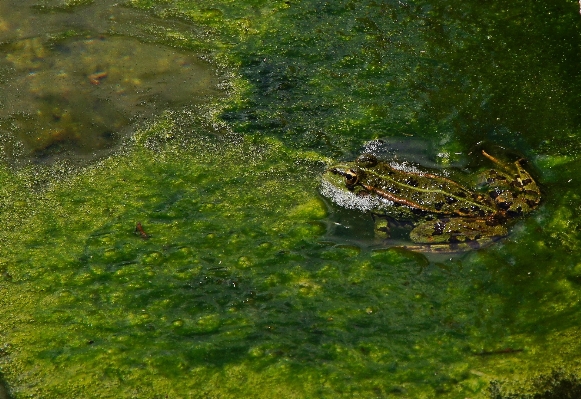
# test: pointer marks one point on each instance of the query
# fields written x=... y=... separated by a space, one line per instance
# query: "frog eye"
x=366 y=160
x=351 y=178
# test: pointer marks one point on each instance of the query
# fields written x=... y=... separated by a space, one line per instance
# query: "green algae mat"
x=163 y=234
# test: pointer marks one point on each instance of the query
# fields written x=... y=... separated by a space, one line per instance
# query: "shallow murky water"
x=76 y=93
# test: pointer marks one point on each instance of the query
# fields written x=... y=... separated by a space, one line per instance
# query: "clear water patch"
x=77 y=97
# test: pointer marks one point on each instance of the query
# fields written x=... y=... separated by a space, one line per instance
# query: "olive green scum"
x=163 y=234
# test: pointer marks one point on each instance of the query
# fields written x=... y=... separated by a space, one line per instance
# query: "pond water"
x=74 y=94
x=163 y=232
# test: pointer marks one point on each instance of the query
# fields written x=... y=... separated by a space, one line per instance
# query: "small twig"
x=142 y=233
x=95 y=78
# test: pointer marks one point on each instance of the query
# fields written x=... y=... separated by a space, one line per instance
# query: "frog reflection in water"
x=446 y=215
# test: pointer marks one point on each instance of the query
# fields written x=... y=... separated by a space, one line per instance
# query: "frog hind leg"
x=515 y=191
x=457 y=233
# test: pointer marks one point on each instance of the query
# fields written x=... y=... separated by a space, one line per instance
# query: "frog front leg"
x=457 y=230
x=382 y=229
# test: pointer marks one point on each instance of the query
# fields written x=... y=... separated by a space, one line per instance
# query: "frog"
x=445 y=215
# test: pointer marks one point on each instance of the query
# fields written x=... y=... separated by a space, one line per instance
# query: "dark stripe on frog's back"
x=433 y=193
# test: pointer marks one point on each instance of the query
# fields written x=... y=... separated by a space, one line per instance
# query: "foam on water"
x=349 y=200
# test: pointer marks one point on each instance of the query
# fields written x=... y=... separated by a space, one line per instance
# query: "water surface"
x=244 y=286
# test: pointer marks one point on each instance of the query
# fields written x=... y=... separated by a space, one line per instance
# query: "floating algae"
x=239 y=292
